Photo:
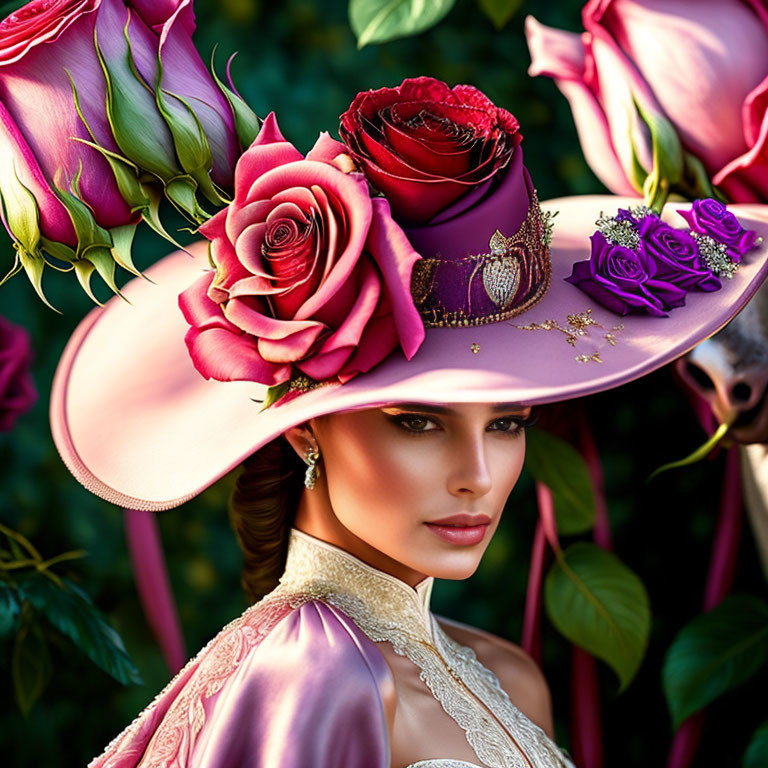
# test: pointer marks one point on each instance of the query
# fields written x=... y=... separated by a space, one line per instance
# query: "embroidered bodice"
x=387 y=609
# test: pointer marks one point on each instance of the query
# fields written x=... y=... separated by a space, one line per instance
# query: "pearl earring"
x=313 y=471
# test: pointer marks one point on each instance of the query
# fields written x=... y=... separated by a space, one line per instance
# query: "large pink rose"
x=312 y=274
x=703 y=65
x=47 y=49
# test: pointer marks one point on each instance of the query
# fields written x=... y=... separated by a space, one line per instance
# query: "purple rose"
x=711 y=217
x=676 y=255
x=624 y=280
x=17 y=392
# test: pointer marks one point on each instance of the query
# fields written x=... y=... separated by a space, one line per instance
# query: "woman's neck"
x=315 y=517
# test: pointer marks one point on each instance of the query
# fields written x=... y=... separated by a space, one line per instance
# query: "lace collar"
x=328 y=572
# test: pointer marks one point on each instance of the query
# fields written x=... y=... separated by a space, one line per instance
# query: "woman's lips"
x=463 y=535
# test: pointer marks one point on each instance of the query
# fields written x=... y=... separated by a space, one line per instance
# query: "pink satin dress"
x=340 y=666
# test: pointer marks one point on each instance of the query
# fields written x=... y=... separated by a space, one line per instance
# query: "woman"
x=410 y=452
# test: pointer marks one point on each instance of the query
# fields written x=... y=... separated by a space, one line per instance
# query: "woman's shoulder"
x=519 y=675
x=286 y=667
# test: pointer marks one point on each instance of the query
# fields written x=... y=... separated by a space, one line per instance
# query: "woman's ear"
x=301 y=439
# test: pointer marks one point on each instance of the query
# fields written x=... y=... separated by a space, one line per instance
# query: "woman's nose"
x=471 y=473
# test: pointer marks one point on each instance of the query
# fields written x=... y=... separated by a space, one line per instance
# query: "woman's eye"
x=514 y=425
x=413 y=423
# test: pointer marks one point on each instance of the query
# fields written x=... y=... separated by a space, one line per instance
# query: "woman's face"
x=388 y=474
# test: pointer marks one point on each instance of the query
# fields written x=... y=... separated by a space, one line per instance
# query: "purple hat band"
x=485 y=258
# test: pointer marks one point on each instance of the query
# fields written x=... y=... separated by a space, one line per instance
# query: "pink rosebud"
x=17 y=391
x=81 y=129
x=702 y=66
x=312 y=274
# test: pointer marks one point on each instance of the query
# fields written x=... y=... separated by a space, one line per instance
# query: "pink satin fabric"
x=308 y=695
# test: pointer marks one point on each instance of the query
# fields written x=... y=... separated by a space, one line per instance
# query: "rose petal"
x=227 y=356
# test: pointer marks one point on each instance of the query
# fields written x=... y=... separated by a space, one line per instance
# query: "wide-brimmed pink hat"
x=138 y=425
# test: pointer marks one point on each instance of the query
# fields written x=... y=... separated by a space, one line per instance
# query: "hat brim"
x=140 y=427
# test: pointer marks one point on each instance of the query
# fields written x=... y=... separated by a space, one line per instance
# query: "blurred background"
x=300 y=59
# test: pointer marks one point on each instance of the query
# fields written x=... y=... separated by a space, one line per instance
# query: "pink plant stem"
x=722 y=567
x=531 y=640
x=586 y=728
x=586 y=721
x=154 y=586
x=602 y=531
x=725 y=547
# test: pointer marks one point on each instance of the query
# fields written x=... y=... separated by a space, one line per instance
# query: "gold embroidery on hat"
x=577 y=325
x=475 y=347
x=422 y=279
x=501 y=272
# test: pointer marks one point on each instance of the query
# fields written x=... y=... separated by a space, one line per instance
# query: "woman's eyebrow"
x=496 y=407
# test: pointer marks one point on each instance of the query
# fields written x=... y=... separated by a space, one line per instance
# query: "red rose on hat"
x=425 y=145
x=312 y=274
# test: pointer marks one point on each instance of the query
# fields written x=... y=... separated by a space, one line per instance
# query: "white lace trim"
x=387 y=609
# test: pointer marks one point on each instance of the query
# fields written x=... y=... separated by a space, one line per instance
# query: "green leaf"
x=596 y=602
x=71 y=612
x=562 y=469
x=714 y=653
x=377 y=21
x=756 y=755
x=499 y=11
x=10 y=610
x=31 y=666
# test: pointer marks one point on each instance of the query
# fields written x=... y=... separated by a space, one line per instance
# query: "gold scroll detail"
x=576 y=327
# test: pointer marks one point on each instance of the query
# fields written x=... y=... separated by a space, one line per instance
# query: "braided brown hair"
x=262 y=509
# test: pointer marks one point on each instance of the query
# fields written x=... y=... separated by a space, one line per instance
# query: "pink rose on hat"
x=312 y=274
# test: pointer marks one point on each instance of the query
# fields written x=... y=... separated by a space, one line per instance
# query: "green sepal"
x=103 y=260
x=182 y=192
x=33 y=264
x=84 y=270
x=247 y=123
x=132 y=115
x=59 y=251
x=87 y=230
x=274 y=394
x=696 y=183
x=700 y=453
x=667 y=168
x=21 y=213
x=16 y=267
x=191 y=143
x=122 y=242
